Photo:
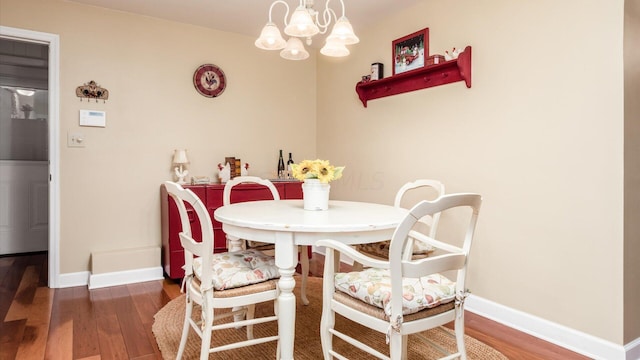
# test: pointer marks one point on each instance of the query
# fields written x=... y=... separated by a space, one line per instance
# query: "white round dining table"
x=286 y=224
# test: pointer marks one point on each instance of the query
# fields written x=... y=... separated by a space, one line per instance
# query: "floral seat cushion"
x=373 y=286
x=236 y=269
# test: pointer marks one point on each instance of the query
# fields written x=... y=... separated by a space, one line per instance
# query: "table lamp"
x=180 y=159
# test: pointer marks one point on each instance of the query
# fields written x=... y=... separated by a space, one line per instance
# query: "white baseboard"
x=632 y=350
x=568 y=338
x=84 y=278
x=125 y=277
x=80 y=278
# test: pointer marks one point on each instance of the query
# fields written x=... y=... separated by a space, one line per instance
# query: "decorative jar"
x=315 y=194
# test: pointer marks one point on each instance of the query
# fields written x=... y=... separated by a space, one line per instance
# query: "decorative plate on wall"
x=209 y=80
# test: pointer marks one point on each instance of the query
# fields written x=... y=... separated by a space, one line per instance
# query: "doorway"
x=24 y=143
x=29 y=86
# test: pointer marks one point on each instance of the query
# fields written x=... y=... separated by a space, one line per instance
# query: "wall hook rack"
x=91 y=90
x=433 y=75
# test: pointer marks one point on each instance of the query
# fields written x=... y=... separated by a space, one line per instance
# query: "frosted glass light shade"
x=270 y=38
x=301 y=24
x=25 y=92
x=294 y=50
x=334 y=48
x=180 y=157
x=343 y=31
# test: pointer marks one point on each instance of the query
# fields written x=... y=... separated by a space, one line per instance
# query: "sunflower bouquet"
x=316 y=169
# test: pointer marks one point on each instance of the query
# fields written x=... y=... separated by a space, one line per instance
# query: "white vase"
x=315 y=194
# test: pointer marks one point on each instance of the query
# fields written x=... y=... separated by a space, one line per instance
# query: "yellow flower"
x=304 y=170
x=316 y=169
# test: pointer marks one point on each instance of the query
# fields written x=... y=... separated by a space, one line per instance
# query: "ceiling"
x=247 y=16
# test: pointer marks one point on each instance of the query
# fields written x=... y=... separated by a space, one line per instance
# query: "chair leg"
x=185 y=329
x=327 y=322
x=251 y=310
x=206 y=332
x=405 y=340
x=459 y=330
x=396 y=346
x=304 y=264
x=275 y=311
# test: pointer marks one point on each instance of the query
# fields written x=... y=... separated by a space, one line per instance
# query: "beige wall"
x=539 y=135
x=110 y=189
x=632 y=171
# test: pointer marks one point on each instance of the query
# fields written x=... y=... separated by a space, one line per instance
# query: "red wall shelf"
x=429 y=76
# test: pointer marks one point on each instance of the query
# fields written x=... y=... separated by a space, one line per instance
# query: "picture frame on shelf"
x=409 y=52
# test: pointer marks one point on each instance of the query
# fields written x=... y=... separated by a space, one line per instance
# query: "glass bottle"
x=280 y=166
x=289 y=163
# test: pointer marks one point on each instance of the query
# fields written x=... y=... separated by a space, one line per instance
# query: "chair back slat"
x=228 y=187
x=438 y=187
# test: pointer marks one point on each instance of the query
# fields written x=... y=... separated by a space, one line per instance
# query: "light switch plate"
x=75 y=139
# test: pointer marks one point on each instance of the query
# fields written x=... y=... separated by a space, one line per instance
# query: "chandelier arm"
x=286 y=15
x=327 y=17
x=335 y=17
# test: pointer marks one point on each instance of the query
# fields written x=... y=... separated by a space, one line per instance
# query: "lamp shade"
x=294 y=50
x=180 y=157
x=301 y=24
x=334 y=48
x=25 y=92
x=343 y=31
x=270 y=38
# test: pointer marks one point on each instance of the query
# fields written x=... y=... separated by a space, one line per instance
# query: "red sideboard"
x=211 y=196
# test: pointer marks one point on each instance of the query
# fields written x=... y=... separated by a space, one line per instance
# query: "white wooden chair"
x=420 y=250
x=380 y=297
x=236 y=280
x=249 y=244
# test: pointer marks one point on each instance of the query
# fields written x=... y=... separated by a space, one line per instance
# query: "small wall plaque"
x=92 y=90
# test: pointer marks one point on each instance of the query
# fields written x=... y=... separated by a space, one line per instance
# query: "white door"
x=24 y=215
x=24 y=173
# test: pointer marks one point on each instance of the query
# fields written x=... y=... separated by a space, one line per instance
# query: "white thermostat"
x=93 y=118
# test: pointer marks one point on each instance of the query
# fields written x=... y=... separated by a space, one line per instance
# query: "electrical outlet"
x=75 y=139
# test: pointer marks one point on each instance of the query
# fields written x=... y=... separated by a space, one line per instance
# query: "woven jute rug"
x=167 y=329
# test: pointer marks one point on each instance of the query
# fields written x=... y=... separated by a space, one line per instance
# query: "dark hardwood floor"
x=115 y=323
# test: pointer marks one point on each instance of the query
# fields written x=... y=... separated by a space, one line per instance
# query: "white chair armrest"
x=353 y=254
x=433 y=264
x=433 y=242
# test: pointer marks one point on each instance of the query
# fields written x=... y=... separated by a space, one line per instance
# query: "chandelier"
x=306 y=22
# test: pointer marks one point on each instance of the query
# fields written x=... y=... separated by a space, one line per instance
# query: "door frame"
x=53 y=41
